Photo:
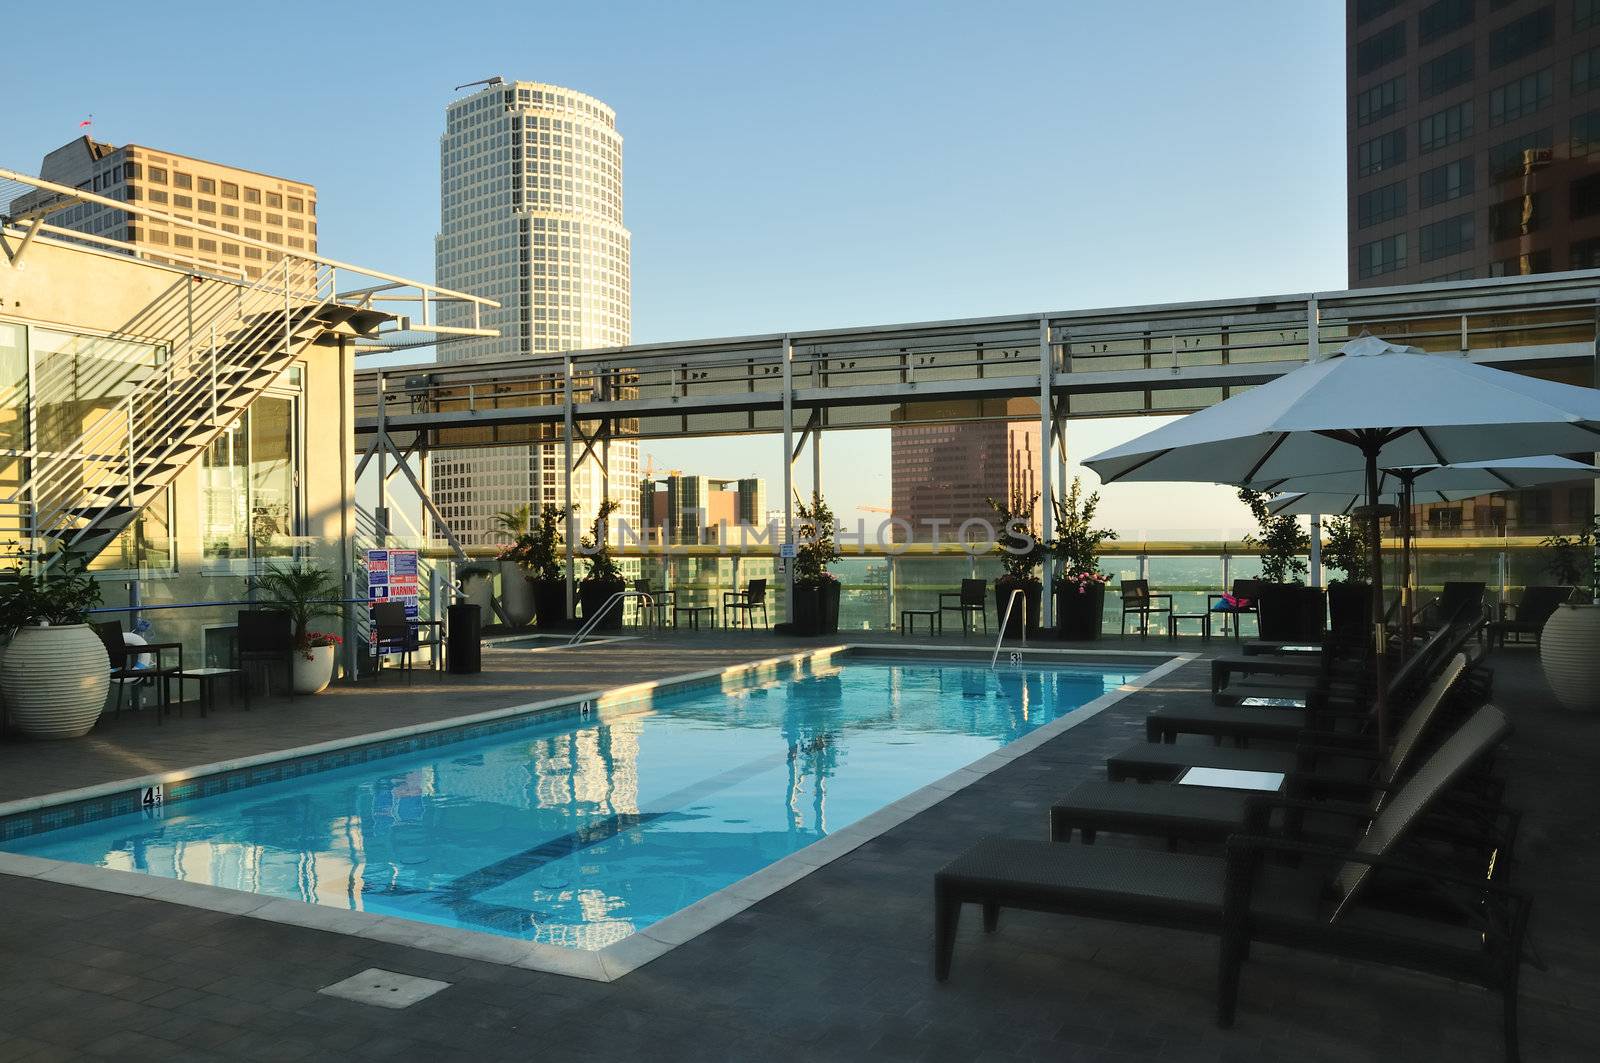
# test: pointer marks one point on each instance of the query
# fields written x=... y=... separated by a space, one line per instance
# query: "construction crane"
x=496 y=80
x=874 y=509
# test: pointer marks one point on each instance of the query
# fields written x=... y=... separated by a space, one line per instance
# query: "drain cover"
x=386 y=989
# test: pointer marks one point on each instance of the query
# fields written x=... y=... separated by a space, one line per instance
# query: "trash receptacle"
x=466 y=629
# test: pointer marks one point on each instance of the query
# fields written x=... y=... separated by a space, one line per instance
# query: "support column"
x=786 y=352
x=1316 y=549
x=382 y=514
x=1047 y=513
x=566 y=486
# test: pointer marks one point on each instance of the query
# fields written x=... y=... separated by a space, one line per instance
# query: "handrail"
x=600 y=614
x=1011 y=600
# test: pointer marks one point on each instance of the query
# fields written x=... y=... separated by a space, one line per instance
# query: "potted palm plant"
x=1080 y=588
x=541 y=564
x=516 y=594
x=604 y=578
x=308 y=594
x=1347 y=547
x=1020 y=551
x=1571 y=635
x=1289 y=611
x=816 y=590
x=55 y=674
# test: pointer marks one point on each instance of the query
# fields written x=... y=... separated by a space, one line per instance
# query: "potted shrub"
x=1080 y=588
x=541 y=560
x=1347 y=547
x=603 y=579
x=1289 y=611
x=307 y=593
x=1020 y=552
x=55 y=674
x=516 y=594
x=816 y=590
x=1572 y=634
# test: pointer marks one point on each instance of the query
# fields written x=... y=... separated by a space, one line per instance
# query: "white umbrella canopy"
x=1407 y=407
x=1373 y=405
x=1440 y=483
x=1329 y=503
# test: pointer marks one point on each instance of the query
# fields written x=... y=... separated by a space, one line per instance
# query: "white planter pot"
x=516 y=594
x=313 y=676
x=478 y=589
x=55 y=680
x=1569 y=649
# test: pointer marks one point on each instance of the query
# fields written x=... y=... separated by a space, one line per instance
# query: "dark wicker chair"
x=393 y=632
x=657 y=607
x=1527 y=616
x=743 y=604
x=266 y=641
x=1138 y=600
x=972 y=600
x=126 y=667
x=1244 y=590
x=1464 y=926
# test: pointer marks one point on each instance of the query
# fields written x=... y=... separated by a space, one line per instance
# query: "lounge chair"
x=1176 y=811
x=1458 y=601
x=1473 y=930
x=1527 y=616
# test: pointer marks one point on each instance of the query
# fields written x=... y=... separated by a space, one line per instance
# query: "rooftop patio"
x=836 y=965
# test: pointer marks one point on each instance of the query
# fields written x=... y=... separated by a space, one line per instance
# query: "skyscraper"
x=235 y=202
x=1474 y=138
x=530 y=182
x=948 y=473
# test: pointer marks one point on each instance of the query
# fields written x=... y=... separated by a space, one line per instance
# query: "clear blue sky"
x=787 y=166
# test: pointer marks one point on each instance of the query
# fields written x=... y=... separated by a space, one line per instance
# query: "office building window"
x=1585 y=71
x=1585 y=197
x=1381 y=204
x=1367 y=10
x=252 y=195
x=1381 y=256
x=1453 y=275
x=1521 y=97
x=1585 y=136
x=1442 y=17
x=1381 y=49
x=1445 y=127
x=1520 y=155
x=230 y=190
x=1518 y=216
x=275 y=201
x=1380 y=101
x=208 y=186
x=1585 y=254
x=1446 y=72
x=1374 y=155
x=1521 y=265
x=157 y=175
x=1448 y=237
x=1521 y=37
x=1585 y=14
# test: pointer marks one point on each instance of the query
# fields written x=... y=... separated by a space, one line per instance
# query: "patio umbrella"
x=1373 y=405
x=1341 y=493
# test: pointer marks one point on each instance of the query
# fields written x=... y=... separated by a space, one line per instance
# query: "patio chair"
x=971 y=600
x=1527 y=616
x=1176 y=811
x=742 y=604
x=129 y=667
x=266 y=640
x=1245 y=591
x=1462 y=926
x=655 y=609
x=393 y=632
x=1137 y=600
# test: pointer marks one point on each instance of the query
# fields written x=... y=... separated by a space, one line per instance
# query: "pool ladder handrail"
x=600 y=614
x=1011 y=600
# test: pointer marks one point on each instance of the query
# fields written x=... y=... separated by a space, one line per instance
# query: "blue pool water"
x=579 y=831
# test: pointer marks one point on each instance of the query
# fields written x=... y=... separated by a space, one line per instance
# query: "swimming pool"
x=583 y=826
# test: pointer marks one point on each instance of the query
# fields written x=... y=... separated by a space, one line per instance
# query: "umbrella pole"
x=1380 y=669
x=1406 y=603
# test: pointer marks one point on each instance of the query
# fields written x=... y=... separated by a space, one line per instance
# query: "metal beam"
x=787 y=355
x=572 y=520
x=1046 y=494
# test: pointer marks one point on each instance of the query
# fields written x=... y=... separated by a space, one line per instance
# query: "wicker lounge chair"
x=1318 y=905
x=1196 y=813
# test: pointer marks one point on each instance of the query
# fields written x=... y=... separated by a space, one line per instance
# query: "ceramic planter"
x=516 y=595
x=816 y=610
x=313 y=676
x=1078 y=616
x=55 y=680
x=1569 y=650
x=550 y=601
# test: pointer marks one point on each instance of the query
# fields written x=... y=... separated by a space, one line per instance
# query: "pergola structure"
x=1124 y=361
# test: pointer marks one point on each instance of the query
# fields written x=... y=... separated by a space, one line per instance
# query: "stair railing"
x=600 y=614
x=1011 y=600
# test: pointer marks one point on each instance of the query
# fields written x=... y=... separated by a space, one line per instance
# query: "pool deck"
x=834 y=966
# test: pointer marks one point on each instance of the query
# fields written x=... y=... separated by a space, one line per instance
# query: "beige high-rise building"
x=235 y=202
x=530 y=215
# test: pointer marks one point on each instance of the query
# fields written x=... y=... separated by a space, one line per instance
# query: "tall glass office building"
x=530 y=180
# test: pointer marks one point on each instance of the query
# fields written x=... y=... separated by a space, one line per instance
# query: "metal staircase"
x=233 y=342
